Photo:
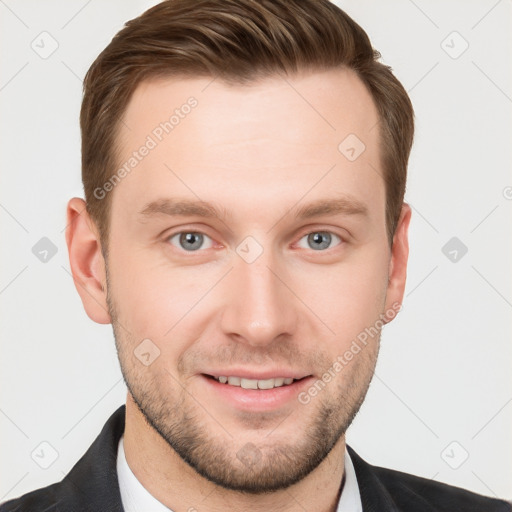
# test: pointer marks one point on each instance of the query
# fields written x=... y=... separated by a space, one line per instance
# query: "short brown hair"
x=237 y=41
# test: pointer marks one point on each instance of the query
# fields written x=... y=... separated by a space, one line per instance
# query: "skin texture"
x=259 y=152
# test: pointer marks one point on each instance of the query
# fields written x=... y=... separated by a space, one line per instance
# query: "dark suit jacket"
x=92 y=486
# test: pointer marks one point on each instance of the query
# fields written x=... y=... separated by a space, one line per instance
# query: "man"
x=244 y=231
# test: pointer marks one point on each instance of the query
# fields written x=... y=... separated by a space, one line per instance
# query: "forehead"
x=251 y=146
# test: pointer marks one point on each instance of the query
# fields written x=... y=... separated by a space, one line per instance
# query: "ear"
x=86 y=260
x=398 y=262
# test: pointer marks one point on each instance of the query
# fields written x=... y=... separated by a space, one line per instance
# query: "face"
x=247 y=244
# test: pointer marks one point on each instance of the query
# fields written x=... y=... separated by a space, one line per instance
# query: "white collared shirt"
x=136 y=498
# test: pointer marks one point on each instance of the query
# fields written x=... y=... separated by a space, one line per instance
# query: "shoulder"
x=53 y=498
x=68 y=495
x=90 y=486
x=44 y=499
x=405 y=492
x=407 y=489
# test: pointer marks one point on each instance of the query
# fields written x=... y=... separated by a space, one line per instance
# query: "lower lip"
x=257 y=399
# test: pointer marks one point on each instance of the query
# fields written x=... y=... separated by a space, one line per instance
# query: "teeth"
x=254 y=383
x=266 y=384
x=249 y=383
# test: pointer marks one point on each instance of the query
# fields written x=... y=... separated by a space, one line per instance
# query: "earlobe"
x=398 y=261
x=86 y=260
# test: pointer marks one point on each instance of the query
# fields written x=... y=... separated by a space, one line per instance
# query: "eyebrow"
x=188 y=208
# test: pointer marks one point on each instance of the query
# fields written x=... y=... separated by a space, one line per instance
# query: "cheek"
x=154 y=299
x=348 y=296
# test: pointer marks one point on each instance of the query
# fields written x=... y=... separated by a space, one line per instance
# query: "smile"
x=255 y=383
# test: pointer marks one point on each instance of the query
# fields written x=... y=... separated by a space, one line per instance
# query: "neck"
x=179 y=487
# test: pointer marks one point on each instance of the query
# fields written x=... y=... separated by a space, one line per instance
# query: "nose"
x=259 y=306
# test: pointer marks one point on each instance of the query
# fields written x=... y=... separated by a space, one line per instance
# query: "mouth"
x=253 y=395
x=275 y=382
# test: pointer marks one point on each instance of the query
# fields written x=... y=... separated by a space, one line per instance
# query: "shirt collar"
x=136 y=498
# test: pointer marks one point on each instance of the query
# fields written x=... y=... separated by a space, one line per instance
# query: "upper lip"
x=257 y=375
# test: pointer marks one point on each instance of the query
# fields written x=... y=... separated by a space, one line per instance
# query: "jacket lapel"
x=92 y=483
x=374 y=496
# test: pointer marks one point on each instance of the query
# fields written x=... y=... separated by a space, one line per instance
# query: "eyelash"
x=177 y=234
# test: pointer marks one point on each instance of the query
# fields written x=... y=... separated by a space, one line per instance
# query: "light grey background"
x=442 y=389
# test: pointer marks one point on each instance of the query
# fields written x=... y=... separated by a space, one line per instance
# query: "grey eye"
x=319 y=240
x=190 y=241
